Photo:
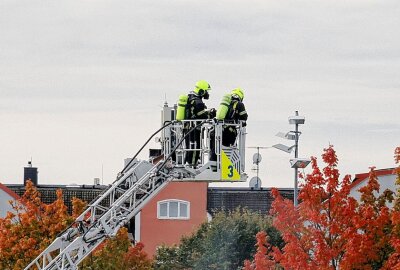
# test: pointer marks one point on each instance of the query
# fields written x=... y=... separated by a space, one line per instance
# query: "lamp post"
x=296 y=163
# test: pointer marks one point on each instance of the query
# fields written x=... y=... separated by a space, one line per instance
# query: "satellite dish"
x=256 y=158
x=255 y=182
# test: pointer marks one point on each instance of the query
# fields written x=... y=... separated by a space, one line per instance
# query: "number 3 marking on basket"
x=230 y=168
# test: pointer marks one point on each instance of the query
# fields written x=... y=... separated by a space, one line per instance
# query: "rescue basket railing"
x=208 y=145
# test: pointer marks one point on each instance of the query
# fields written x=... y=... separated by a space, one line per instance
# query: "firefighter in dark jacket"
x=236 y=112
x=196 y=109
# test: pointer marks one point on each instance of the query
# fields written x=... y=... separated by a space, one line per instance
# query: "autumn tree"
x=393 y=261
x=78 y=206
x=24 y=234
x=263 y=259
x=118 y=254
x=32 y=227
x=375 y=224
x=136 y=258
x=330 y=229
x=320 y=231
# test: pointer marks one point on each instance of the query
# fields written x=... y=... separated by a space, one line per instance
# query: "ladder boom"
x=99 y=221
x=139 y=182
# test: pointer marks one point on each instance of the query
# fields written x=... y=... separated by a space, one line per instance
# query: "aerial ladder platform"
x=141 y=180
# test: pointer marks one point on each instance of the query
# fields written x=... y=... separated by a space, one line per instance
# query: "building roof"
x=360 y=177
x=218 y=198
x=9 y=192
x=48 y=193
x=228 y=199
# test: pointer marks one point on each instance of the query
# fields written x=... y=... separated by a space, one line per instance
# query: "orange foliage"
x=77 y=207
x=397 y=171
x=393 y=261
x=330 y=229
x=31 y=229
x=35 y=225
x=118 y=253
x=248 y=265
x=320 y=233
x=136 y=258
x=264 y=257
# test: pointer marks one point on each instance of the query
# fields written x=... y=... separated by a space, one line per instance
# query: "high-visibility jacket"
x=236 y=111
x=195 y=108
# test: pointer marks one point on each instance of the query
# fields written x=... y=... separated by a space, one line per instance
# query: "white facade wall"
x=385 y=182
x=4 y=203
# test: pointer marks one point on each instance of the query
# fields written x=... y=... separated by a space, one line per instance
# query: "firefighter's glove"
x=212 y=113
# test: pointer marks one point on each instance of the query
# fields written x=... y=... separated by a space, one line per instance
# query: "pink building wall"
x=155 y=232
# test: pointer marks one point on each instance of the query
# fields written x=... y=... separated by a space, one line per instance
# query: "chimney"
x=30 y=173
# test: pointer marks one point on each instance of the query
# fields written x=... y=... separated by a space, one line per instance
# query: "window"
x=173 y=209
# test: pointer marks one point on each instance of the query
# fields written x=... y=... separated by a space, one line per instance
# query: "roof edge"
x=360 y=177
x=9 y=192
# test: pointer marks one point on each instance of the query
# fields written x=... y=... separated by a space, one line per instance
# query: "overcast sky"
x=82 y=82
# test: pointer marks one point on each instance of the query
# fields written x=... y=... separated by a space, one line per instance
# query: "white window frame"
x=168 y=207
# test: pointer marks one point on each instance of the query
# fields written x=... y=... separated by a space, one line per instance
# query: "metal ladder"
x=137 y=184
x=105 y=216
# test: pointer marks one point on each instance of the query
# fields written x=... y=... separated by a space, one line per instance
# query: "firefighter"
x=231 y=110
x=236 y=112
x=196 y=109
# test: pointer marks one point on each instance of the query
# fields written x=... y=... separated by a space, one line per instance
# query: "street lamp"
x=299 y=162
x=295 y=163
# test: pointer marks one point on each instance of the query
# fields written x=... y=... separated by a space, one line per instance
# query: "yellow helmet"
x=202 y=87
x=238 y=92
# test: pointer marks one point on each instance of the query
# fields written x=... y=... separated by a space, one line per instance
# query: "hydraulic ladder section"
x=105 y=216
x=140 y=181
